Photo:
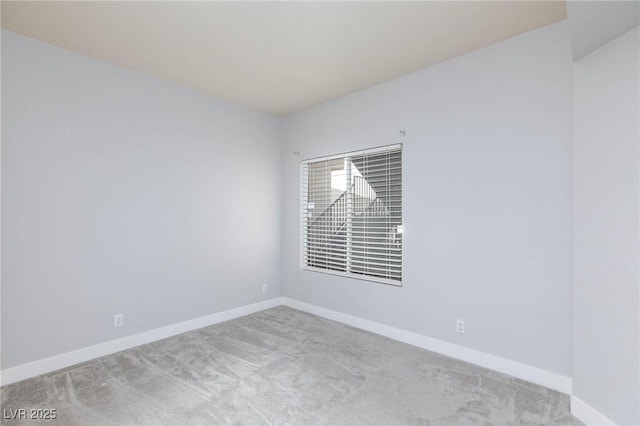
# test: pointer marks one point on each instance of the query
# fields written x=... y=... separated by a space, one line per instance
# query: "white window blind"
x=351 y=216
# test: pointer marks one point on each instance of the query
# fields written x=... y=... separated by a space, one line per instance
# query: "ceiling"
x=593 y=24
x=279 y=57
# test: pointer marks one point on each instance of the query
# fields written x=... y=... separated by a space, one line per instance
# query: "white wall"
x=487 y=198
x=124 y=194
x=606 y=371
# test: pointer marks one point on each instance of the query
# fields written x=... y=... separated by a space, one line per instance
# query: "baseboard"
x=47 y=365
x=522 y=371
x=587 y=414
x=560 y=383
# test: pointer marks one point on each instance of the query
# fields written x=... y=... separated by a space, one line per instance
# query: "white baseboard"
x=522 y=371
x=587 y=414
x=47 y=365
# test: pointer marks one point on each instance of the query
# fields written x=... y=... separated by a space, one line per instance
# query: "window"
x=351 y=218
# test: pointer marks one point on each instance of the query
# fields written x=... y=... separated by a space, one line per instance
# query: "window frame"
x=303 y=198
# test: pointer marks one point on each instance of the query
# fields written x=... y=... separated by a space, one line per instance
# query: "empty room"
x=320 y=213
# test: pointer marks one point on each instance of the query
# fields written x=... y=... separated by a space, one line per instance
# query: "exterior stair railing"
x=327 y=229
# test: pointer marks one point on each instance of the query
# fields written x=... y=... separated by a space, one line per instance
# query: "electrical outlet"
x=118 y=320
x=460 y=326
x=264 y=288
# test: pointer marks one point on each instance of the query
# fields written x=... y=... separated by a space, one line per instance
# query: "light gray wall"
x=606 y=324
x=124 y=194
x=487 y=198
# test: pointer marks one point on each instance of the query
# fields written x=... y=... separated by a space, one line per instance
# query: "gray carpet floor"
x=283 y=366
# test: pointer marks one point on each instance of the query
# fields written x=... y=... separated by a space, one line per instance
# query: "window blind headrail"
x=386 y=148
